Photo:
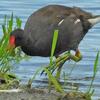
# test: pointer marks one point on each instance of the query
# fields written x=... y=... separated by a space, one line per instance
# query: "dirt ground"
x=40 y=94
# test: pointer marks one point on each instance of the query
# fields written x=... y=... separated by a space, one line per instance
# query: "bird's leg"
x=77 y=57
x=49 y=67
x=59 y=67
x=56 y=63
x=61 y=60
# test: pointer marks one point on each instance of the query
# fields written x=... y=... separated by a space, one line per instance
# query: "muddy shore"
x=40 y=94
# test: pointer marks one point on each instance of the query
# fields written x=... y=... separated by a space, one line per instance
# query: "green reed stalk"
x=90 y=91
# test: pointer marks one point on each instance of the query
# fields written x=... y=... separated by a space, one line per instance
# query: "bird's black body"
x=72 y=24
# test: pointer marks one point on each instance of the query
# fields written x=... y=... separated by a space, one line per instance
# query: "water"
x=88 y=47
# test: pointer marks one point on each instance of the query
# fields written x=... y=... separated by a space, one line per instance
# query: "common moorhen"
x=36 y=38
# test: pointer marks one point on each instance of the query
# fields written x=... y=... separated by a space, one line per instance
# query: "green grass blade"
x=5 y=19
x=4 y=25
x=54 y=81
x=33 y=77
x=90 y=91
x=18 y=22
x=96 y=64
x=10 y=24
x=54 y=42
x=4 y=29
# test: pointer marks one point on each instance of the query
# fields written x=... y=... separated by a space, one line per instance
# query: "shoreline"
x=40 y=94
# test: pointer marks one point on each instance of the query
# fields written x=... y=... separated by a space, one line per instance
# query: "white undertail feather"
x=94 y=21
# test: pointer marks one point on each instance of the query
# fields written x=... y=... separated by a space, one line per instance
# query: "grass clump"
x=52 y=79
x=8 y=57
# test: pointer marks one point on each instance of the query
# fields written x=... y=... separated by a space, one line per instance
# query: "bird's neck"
x=28 y=46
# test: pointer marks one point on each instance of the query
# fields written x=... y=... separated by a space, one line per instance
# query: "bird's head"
x=16 y=38
x=86 y=16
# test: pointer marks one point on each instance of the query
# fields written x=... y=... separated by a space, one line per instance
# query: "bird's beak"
x=94 y=20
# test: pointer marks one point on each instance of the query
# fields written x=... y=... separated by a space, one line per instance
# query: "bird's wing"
x=69 y=36
x=70 y=33
x=41 y=28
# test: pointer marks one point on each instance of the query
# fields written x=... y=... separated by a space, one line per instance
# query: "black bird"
x=36 y=39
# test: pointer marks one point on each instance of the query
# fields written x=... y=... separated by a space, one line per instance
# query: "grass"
x=54 y=42
x=8 y=57
x=95 y=69
x=52 y=79
x=15 y=55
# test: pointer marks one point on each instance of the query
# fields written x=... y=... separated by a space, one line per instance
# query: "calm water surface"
x=89 y=46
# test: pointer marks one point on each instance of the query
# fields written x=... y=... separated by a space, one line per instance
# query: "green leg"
x=77 y=57
x=59 y=65
x=62 y=59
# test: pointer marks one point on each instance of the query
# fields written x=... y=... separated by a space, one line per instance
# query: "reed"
x=9 y=57
x=95 y=69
